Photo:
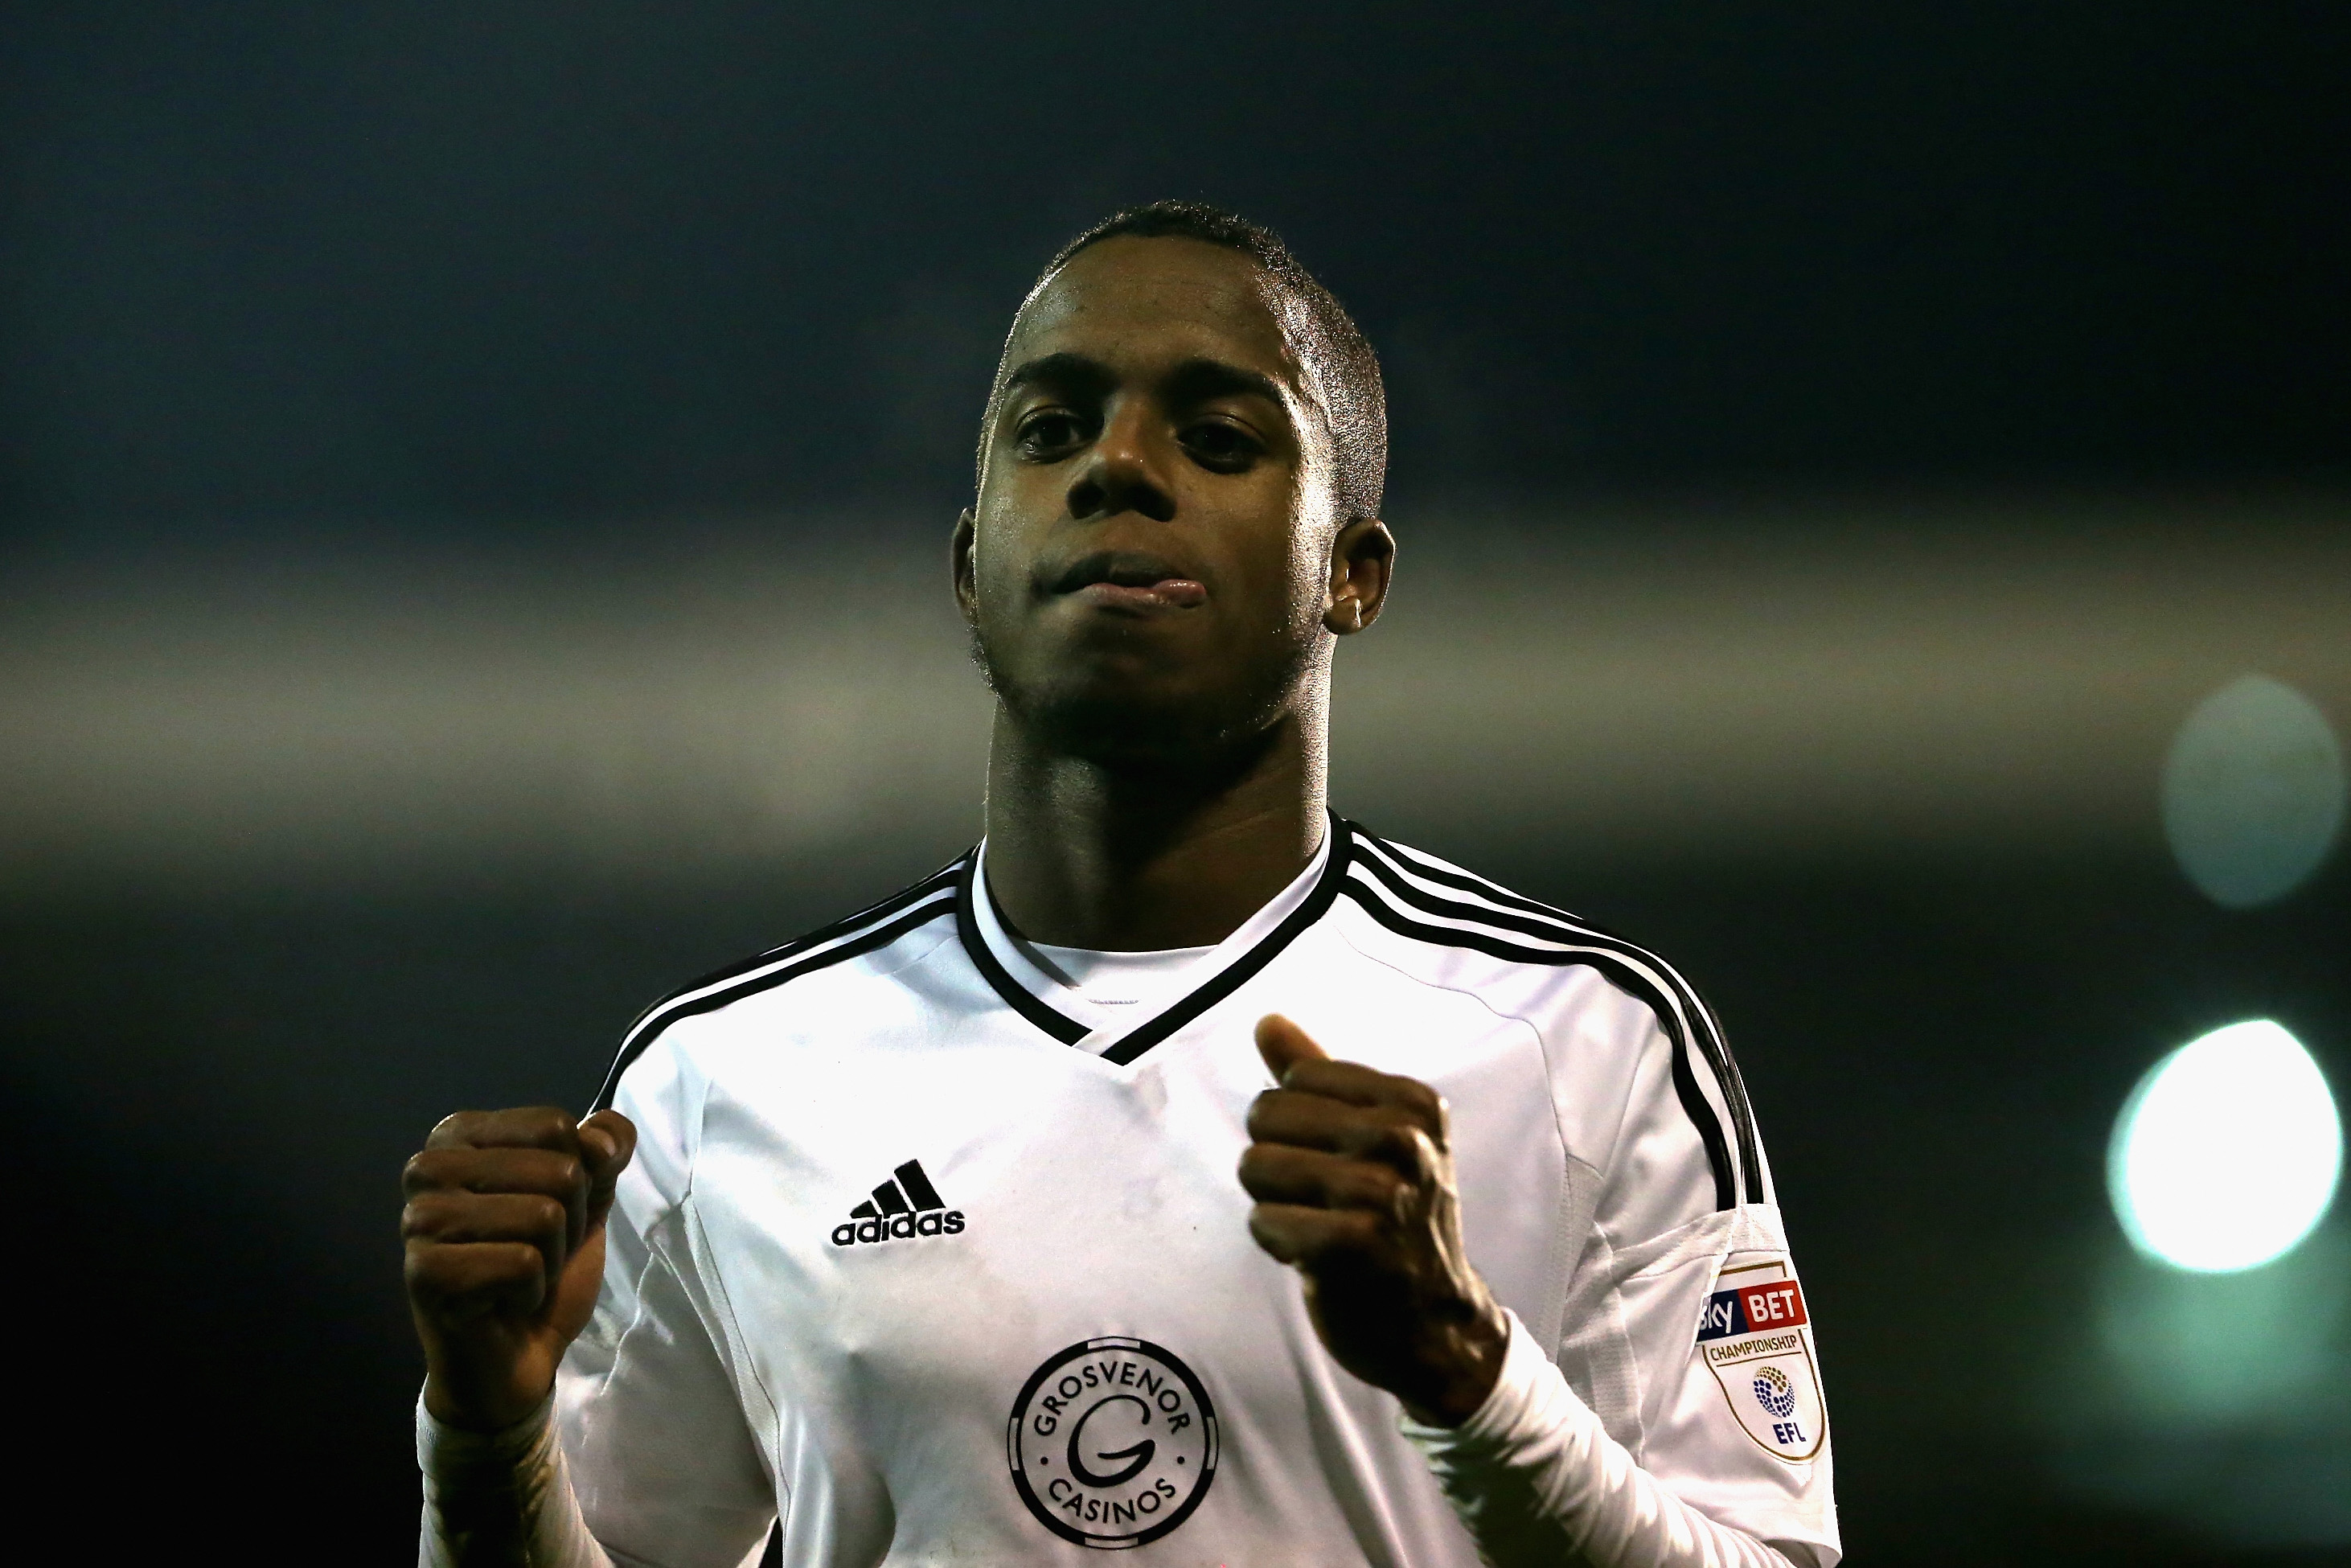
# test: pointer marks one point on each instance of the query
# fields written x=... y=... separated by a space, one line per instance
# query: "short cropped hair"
x=1343 y=373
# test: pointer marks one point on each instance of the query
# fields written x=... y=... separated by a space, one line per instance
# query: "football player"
x=1185 y=1169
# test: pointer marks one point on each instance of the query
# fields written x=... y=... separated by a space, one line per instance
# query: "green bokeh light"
x=2228 y=1151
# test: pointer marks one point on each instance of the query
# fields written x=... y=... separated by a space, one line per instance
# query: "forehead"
x=1133 y=304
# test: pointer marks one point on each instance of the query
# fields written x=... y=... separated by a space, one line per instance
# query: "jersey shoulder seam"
x=1388 y=895
x=1677 y=1246
x=656 y=1255
x=741 y=1345
x=1543 y=1042
x=868 y=931
x=1385 y=962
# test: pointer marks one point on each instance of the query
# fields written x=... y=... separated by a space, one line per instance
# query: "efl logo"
x=1750 y=1309
x=1751 y=1338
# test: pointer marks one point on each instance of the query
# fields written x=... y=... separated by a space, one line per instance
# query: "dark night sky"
x=363 y=263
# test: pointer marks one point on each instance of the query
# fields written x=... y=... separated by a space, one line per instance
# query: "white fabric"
x=1105 y=980
x=1541 y=1484
x=744 y=1364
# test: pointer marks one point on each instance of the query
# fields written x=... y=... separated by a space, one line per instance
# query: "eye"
x=1049 y=434
x=1220 y=445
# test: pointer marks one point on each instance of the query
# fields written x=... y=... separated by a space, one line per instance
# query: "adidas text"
x=898 y=1227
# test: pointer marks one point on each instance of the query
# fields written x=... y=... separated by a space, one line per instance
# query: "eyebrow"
x=1194 y=378
x=1213 y=378
x=1063 y=370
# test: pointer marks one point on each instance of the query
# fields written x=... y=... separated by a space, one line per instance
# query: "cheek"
x=1306 y=564
x=1001 y=548
x=1310 y=563
x=1273 y=555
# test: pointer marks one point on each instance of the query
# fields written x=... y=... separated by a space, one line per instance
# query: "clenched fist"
x=505 y=1227
x=1354 y=1188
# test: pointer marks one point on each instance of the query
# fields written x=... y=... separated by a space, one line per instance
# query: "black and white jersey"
x=933 y=1249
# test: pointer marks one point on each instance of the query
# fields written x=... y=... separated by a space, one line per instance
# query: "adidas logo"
x=906 y=1207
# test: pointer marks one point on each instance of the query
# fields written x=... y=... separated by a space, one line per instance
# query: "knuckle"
x=433 y=1273
x=1347 y=1082
x=1352 y=1185
x=524 y=1171
x=1405 y=1150
x=1357 y=1231
x=455 y=1130
x=623 y=1132
x=519 y=1261
x=524 y=1126
x=548 y=1121
x=427 y=1170
x=1400 y=1145
x=1384 y=1196
x=1270 y=1172
x=1271 y=1112
x=1388 y=1193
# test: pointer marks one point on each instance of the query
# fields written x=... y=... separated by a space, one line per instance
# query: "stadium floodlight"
x=2253 y=792
x=2227 y=1154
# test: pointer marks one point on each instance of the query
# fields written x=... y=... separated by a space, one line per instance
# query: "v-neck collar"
x=1221 y=972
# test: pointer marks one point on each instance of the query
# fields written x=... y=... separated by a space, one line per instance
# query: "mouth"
x=1131 y=581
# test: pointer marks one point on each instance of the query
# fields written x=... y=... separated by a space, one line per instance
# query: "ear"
x=959 y=556
x=1361 y=559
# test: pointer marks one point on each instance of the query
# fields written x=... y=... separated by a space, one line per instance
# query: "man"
x=919 y=1239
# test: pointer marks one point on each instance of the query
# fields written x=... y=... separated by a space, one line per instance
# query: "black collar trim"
x=1219 y=985
x=1058 y=1024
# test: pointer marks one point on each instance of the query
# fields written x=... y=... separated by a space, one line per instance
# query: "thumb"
x=1284 y=1045
x=608 y=1141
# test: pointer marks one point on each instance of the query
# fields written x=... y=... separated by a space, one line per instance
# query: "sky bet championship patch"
x=1751 y=1333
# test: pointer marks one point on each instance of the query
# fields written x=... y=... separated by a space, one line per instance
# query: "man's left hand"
x=1354 y=1188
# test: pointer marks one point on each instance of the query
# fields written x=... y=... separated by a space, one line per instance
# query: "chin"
x=1128 y=713
x=1127 y=724
x=1132 y=721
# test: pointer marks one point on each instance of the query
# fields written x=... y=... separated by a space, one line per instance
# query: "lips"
x=1130 y=580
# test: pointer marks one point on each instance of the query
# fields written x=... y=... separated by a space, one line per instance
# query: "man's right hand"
x=505 y=1227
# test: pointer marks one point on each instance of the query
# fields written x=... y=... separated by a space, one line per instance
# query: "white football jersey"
x=932 y=1252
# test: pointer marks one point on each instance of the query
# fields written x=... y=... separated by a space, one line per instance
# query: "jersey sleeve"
x=1685 y=1328
x=659 y=1439
x=1540 y=1485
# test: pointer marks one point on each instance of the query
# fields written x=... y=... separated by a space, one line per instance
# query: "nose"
x=1124 y=472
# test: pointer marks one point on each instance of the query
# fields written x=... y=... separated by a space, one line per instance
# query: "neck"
x=1131 y=858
